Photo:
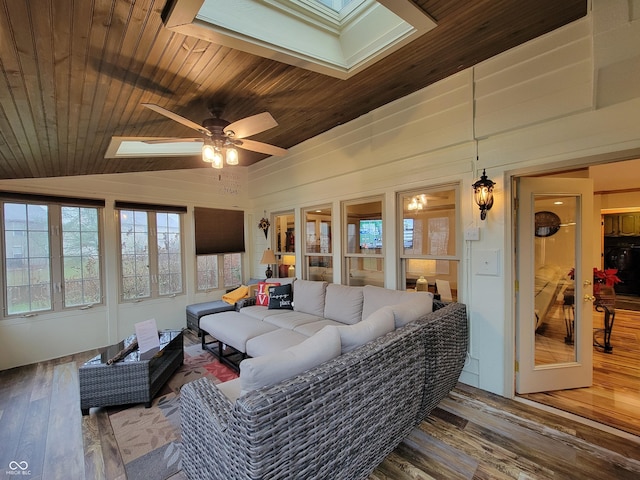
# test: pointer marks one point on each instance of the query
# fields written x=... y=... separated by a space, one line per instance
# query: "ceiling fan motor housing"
x=215 y=126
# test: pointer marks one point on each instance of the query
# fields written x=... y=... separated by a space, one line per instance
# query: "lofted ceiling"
x=73 y=73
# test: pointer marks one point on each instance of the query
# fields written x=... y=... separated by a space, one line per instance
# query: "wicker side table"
x=130 y=380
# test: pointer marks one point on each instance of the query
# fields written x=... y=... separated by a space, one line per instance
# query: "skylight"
x=333 y=37
x=335 y=5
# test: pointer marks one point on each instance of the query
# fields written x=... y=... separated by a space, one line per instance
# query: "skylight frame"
x=334 y=45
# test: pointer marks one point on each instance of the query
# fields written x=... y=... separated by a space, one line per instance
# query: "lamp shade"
x=289 y=259
x=268 y=257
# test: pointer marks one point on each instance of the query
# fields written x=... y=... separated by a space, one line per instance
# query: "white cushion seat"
x=259 y=312
x=270 y=369
x=272 y=342
x=309 y=329
x=290 y=319
x=234 y=328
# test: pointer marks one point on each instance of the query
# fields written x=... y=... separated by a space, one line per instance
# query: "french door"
x=554 y=297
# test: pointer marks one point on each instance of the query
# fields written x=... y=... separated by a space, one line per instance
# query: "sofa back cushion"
x=375 y=325
x=413 y=309
x=308 y=297
x=343 y=303
x=376 y=297
x=270 y=369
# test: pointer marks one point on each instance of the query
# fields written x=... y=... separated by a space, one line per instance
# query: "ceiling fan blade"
x=175 y=117
x=262 y=148
x=172 y=140
x=251 y=125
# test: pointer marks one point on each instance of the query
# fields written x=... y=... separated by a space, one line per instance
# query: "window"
x=285 y=248
x=318 y=260
x=219 y=240
x=208 y=273
x=150 y=251
x=364 y=240
x=52 y=254
x=428 y=234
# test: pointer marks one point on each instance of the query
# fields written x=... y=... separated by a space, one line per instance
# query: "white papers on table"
x=148 y=339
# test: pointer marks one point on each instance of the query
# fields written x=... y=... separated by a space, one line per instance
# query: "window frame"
x=56 y=258
x=368 y=257
x=220 y=272
x=403 y=257
x=326 y=258
x=282 y=237
x=153 y=266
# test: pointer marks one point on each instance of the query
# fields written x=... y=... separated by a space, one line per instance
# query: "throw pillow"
x=262 y=297
x=280 y=298
x=233 y=296
x=270 y=369
x=375 y=325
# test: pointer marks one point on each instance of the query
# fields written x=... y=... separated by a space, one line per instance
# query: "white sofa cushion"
x=275 y=341
x=343 y=303
x=291 y=319
x=375 y=325
x=377 y=297
x=233 y=328
x=270 y=369
x=308 y=297
x=412 y=310
x=309 y=329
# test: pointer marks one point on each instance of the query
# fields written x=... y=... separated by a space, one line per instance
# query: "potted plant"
x=602 y=278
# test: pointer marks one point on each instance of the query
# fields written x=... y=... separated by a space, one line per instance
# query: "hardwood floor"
x=614 y=398
x=472 y=435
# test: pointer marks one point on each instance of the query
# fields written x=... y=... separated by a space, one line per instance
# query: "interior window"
x=317 y=244
x=363 y=242
x=428 y=235
x=285 y=244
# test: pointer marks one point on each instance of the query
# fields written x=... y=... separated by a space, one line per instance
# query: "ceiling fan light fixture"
x=218 y=160
x=232 y=156
x=207 y=153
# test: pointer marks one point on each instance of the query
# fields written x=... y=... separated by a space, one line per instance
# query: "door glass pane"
x=555 y=260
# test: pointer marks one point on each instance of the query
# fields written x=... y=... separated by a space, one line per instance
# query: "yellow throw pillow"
x=239 y=293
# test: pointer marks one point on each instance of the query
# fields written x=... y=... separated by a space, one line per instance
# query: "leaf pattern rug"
x=149 y=438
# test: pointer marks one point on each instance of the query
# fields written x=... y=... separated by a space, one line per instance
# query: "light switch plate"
x=487 y=262
x=472 y=233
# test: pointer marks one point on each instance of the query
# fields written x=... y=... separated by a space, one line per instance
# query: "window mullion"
x=55 y=254
x=153 y=254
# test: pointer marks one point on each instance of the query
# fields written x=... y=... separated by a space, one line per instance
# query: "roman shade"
x=218 y=230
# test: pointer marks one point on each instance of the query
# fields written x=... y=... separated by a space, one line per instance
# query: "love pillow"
x=262 y=297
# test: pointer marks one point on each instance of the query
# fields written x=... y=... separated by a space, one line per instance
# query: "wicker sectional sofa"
x=336 y=420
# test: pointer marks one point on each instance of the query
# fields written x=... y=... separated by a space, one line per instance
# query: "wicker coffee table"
x=130 y=380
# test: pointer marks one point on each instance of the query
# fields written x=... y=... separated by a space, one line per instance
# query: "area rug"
x=149 y=438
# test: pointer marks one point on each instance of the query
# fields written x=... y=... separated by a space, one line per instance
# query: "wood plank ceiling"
x=73 y=73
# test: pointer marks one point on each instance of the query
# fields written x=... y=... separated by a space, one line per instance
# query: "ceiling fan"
x=221 y=138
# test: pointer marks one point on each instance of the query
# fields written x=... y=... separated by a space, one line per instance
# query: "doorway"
x=614 y=398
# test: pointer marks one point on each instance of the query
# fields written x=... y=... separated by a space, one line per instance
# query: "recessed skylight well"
x=333 y=37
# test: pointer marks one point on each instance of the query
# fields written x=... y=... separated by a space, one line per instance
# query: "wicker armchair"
x=336 y=421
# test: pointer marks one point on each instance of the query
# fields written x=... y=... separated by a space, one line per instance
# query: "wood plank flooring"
x=614 y=398
x=472 y=435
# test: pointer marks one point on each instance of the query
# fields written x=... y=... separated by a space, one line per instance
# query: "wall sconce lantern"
x=483 y=194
